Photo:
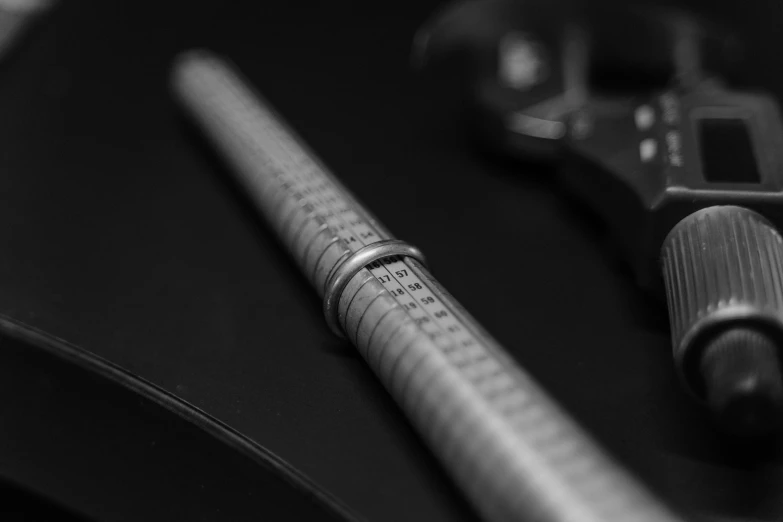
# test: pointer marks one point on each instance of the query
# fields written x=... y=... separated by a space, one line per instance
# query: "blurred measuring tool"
x=512 y=450
x=687 y=174
x=16 y=16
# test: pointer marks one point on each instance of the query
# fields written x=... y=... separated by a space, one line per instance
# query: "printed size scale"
x=512 y=450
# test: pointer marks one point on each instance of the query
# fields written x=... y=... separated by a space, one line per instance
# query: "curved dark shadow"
x=102 y=442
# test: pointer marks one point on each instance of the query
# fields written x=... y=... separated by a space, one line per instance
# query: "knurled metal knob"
x=723 y=271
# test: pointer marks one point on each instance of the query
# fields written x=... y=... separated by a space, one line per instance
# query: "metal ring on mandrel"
x=342 y=274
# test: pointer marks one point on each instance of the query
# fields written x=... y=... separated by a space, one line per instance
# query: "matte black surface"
x=120 y=234
x=19 y=505
x=71 y=431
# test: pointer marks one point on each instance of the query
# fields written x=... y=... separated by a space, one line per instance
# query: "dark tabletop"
x=120 y=235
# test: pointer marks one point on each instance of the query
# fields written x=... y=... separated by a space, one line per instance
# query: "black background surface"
x=120 y=234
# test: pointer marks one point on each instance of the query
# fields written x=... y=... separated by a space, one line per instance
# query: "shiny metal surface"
x=343 y=272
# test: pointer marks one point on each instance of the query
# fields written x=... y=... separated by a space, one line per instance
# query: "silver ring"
x=342 y=273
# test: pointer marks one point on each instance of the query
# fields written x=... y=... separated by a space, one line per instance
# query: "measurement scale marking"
x=367 y=307
x=482 y=415
x=388 y=271
x=368 y=322
x=387 y=358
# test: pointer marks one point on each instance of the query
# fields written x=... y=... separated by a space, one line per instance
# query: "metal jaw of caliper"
x=687 y=173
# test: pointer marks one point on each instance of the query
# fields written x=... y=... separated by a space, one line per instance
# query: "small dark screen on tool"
x=727 y=151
